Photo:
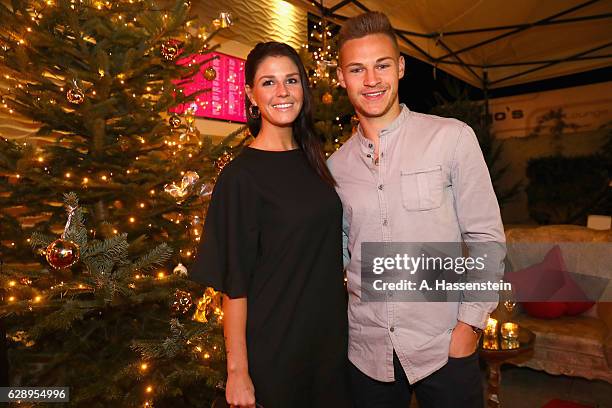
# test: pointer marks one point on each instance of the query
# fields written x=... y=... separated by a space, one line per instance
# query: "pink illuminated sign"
x=225 y=100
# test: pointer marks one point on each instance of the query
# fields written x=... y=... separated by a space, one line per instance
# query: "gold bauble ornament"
x=169 y=50
x=327 y=98
x=182 y=302
x=62 y=253
x=210 y=74
x=174 y=121
x=75 y=96
x=222 y=161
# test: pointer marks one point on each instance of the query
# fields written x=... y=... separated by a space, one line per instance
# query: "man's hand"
x=463 y=341
x=239 y=390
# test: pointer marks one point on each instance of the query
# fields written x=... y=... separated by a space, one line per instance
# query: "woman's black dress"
x=273 y=234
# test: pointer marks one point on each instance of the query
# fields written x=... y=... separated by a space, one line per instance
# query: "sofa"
x=580 y=345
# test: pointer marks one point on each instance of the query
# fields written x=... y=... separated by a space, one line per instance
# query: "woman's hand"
x=463 y=341
x=239 y=390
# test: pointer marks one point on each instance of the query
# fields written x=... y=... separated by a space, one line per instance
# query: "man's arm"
x=481 y=226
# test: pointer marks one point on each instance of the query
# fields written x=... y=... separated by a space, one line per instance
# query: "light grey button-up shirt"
x=431 y=184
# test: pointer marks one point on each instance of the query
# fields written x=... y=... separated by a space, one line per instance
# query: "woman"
x=272 y=245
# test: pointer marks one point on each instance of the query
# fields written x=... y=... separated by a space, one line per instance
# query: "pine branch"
x=156 y=257
x=111 y=248
x=39 y=240
x=61 y=319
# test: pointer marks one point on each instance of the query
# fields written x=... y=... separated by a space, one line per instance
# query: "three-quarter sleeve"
x=228 y=250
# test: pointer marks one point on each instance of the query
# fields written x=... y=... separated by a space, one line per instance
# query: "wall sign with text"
x=588 y=107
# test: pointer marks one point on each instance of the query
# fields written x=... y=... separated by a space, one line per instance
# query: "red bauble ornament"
x=62 y=253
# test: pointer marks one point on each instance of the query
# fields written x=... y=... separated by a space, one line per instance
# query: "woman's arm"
x=239 y=390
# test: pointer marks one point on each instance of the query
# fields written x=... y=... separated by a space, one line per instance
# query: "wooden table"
x=497 y=351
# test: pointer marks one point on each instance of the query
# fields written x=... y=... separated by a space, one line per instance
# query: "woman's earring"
x=254 y=111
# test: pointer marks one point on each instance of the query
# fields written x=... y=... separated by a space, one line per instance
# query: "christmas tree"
x=99 y=77
x=333 y=112
x=105 y=316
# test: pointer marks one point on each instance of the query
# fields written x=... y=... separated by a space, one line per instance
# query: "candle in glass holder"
x=510 y=344
x=490 y=343
x=491 y=329
x=510 y=331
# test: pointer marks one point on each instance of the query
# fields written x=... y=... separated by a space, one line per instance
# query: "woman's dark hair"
x=303 y=129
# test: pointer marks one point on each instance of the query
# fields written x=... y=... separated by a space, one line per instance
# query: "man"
x=409 y=177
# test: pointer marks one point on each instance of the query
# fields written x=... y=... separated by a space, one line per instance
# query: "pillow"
x=540 y=281
x=575 y=300
x=551 y=287
x=578 y=308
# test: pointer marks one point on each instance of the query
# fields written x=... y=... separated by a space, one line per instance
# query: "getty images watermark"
x=411 y=264
x=480 y=271
x=440 y=271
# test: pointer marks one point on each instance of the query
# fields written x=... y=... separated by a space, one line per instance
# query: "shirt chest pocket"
x=422 y=188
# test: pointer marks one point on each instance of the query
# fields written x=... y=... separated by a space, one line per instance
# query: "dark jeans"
x=458 y=384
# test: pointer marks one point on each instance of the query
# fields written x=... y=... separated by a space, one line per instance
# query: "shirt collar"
x=395 y=124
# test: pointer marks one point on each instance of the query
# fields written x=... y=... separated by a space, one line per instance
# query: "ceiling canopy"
x=493 y=43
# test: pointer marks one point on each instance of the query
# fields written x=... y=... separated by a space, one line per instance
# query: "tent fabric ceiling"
x=538 y=39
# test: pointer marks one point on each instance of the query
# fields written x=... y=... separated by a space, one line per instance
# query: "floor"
x=526 y=388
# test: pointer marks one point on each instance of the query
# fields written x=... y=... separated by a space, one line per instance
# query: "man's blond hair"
x=373 y=22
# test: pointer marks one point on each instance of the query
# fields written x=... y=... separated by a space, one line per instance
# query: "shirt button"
x=385 y=223
x=380 y=186
x=370 y=145
x=392 y=329
x=369 y=155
